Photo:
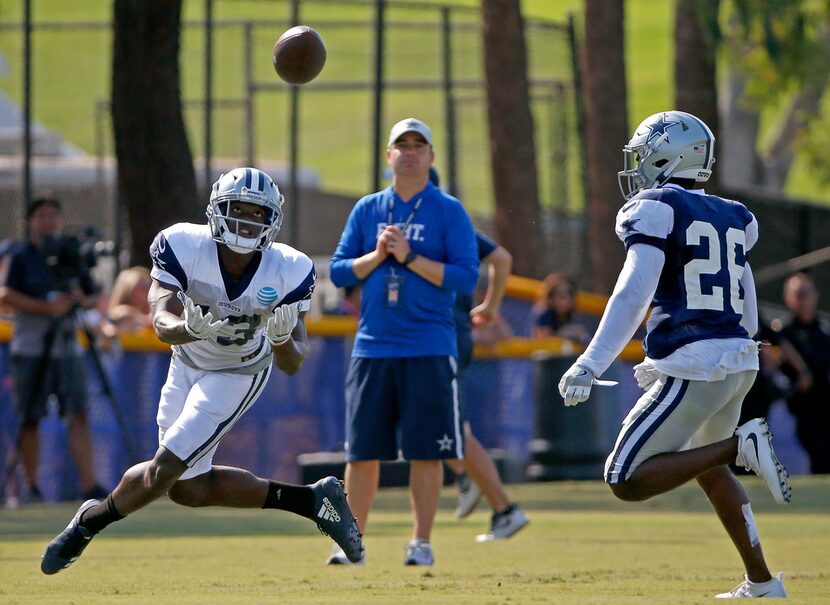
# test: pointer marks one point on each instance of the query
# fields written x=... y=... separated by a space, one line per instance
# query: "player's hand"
x=281 y=323
x=197 y=325
x=646 y=375
x=396 y=243
x=575 y=386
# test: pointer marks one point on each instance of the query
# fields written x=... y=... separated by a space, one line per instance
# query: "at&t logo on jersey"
x=266 y=295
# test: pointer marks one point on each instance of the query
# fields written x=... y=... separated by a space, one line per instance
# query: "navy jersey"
x=705 y=240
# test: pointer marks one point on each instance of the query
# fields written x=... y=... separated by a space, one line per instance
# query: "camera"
x=71 y=255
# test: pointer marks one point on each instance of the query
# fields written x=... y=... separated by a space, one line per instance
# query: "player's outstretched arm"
x=166 y=309
x=290 y=355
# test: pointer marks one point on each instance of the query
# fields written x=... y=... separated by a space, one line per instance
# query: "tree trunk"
x=736 y=148
x=606 y=131
x=512 y=149
x=695 y=43
x=156 y=180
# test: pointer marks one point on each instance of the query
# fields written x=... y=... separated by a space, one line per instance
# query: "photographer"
x=47 y=281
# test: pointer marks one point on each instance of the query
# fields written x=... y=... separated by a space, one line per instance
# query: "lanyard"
x=409 y=218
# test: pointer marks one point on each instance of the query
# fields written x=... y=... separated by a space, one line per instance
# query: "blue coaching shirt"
x=705 y=240
x=422 y=323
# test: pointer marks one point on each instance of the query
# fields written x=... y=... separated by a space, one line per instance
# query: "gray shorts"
x=64 y=377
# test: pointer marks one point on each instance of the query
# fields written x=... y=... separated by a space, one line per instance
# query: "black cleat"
x=65 y=549
x=334 y=518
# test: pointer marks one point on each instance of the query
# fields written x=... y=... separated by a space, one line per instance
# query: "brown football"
x=299 y=55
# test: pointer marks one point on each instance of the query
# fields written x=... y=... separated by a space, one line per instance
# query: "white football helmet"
x=667 y=145
x=244 y=185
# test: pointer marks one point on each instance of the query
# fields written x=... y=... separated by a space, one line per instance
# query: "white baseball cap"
x=409 y=125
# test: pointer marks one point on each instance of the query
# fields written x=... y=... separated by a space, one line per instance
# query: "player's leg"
x=362 y=479
x=731 y=503
x=647 y=459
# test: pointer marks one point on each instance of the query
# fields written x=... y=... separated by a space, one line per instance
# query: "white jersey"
x=186 y=257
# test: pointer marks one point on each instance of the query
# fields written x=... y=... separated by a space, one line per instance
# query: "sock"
x=98 y=517
x=298 y=499
x=508 y=509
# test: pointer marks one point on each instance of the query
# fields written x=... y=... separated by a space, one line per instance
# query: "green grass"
x=582 y=547
x=71 y=76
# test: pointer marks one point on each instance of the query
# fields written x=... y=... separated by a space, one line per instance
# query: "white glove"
x=575 y=385
x=281 y=324
x=646 y=375
x=197 y=325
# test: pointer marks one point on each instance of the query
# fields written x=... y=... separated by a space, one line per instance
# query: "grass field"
x=582 y=547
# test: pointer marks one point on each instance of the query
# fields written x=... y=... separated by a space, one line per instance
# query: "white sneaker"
x=338 y=557
x=505 y=524
x=419 y=552
x=774 y=589
x=469 y=495
x=755 y=453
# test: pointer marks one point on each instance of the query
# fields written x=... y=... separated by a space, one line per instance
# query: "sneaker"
x=65 y=549
x=96 y=492
x=419 y=552
x=338 y=557
x=773 y=589
x=505 y=524
x=469 y=495
x=334 y=518
x=755 y=453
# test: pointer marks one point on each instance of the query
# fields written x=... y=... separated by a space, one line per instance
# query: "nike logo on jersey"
x=327 y=512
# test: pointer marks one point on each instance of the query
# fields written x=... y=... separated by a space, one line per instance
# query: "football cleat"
x=505 y=524
x=773 y=589
x=65 y=549
x=338 y=557
x=755 y=453
x=419 y=552
x=334 y=518
x=469 y=495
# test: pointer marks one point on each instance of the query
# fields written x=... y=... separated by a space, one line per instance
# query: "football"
x=299 y=55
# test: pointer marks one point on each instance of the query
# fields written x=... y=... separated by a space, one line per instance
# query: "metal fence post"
x=294 y=147
x=27 y=105
x=380 y=25
x=249 y=97
x=208 y=93
x=449 y=101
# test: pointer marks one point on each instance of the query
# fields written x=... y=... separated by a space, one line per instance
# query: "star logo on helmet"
x=659 y=128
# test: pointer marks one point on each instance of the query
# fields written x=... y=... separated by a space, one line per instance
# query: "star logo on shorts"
x=445 y=443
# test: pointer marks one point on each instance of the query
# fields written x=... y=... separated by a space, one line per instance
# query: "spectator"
x=555 y=307
x=127 y=308
x=411 y=247
x=349 y=304
x=810 y=402
x=44 y=286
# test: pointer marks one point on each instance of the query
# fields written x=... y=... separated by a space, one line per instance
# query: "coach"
x=411 y=246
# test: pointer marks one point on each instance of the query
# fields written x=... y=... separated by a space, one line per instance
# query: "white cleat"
x=338 y=557
x=773 y=589
x=755 y=453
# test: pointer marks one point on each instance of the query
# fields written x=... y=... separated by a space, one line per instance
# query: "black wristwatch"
x=409 y=258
